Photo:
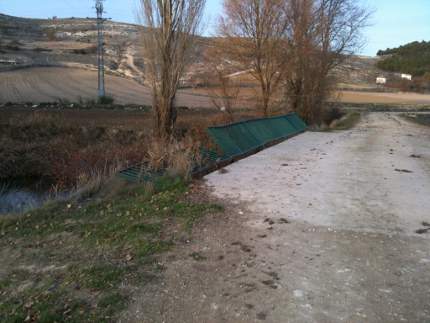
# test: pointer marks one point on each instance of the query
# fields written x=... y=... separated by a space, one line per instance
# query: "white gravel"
x=362 y=180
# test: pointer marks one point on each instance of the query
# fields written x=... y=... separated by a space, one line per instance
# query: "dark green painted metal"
x=223 y=140
x=240 y=138
x=298 y=123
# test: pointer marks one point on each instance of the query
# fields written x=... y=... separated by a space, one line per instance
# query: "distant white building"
x=406 y=77
x=381 y=80
x=8 y=61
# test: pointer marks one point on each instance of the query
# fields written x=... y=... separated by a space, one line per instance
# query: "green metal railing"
x=244 y=137
x=235 y=141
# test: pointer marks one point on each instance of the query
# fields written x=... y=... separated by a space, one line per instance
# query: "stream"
x=16 y=199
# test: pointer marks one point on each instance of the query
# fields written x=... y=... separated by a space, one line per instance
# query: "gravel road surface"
x=357 y=198
x=325 y=227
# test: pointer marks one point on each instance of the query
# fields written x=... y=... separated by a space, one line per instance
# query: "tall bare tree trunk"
x=168 y=38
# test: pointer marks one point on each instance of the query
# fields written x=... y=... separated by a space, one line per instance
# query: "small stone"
x=261 y=316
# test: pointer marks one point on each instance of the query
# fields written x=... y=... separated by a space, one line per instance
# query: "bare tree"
x=323 y=34
x=168 y=38
x=254 y=37
x=222 y=87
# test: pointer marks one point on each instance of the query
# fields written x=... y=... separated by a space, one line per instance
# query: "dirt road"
x=383 y=98
x=321 y=228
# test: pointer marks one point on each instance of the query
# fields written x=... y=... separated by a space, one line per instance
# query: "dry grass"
x=43 y=146
x=177 y=157
x=89 y=184
x=348 y=121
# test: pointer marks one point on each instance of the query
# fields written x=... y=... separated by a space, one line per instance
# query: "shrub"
x=51 y=34
x=106 y=100
x=331 y=114
x=85 y=51
x=79 y=167
x=43 y=146
x=40 y=49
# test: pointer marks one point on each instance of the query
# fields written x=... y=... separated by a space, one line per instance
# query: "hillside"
x=358 y=72
x=61 y=42
x=51 y=59
x=412 y=58
x=72 y=43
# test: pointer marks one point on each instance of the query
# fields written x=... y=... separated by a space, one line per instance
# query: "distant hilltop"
x=412 y=58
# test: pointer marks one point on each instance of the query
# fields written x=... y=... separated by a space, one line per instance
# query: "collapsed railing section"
x=240 y=138
x=234 y=141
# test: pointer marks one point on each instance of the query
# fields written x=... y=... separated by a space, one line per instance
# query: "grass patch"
x=78 y=258
x=422 y=119
x=45 y=306
x=101 y=277
x=349 y=121
x=39 y=305
x=112 y=303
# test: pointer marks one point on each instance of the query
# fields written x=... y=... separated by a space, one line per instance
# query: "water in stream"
x=18 y=200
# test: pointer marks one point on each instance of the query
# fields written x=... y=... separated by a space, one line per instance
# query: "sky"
x=394 y=22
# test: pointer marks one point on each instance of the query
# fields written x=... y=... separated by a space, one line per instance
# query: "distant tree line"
x=412 y=58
